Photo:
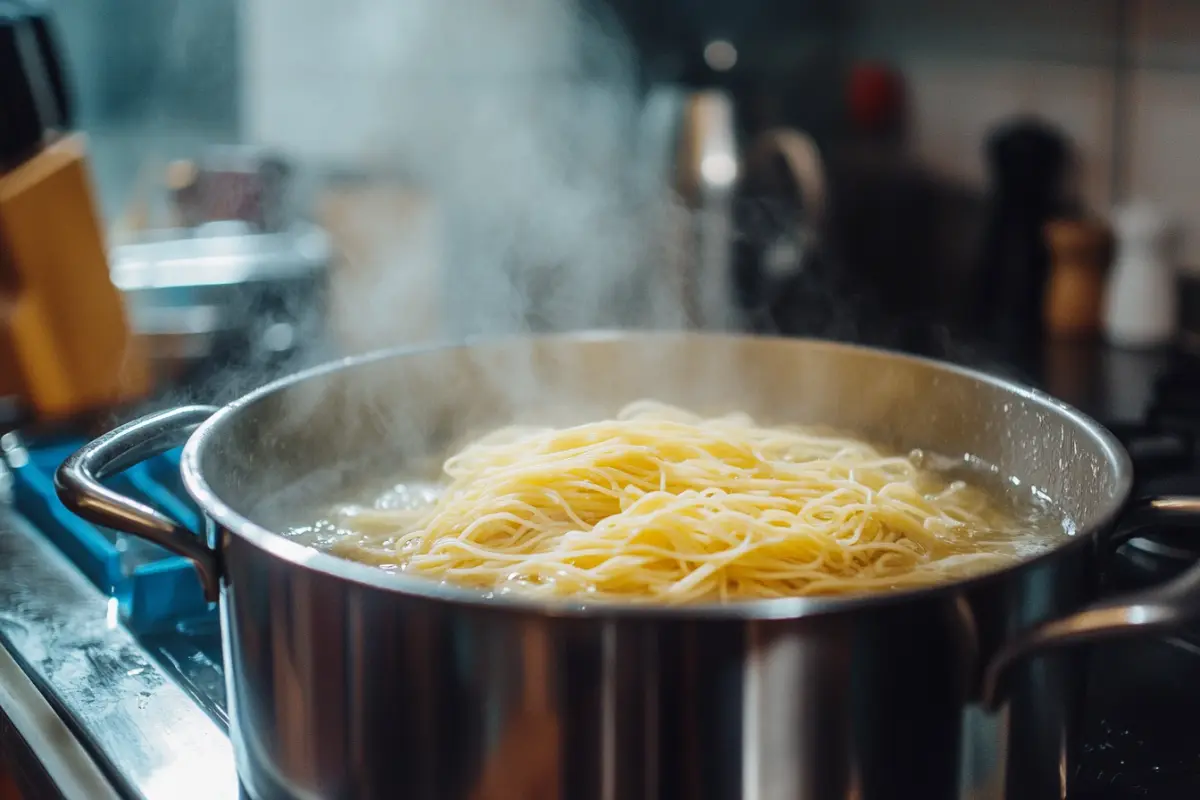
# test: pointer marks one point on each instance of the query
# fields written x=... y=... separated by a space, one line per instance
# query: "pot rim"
x=309 y=558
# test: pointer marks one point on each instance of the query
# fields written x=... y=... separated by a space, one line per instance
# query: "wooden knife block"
x=66 y=347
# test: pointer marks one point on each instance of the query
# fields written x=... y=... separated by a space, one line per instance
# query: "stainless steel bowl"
x=347 y=681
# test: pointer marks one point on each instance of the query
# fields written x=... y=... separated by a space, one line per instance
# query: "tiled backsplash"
x=1057 y=60
x=1163 y=141
x=954 y=102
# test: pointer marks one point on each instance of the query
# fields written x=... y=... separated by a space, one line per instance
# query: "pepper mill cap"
x=1139 y=223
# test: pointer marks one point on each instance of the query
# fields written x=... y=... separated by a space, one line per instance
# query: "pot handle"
x=79 y=487
x=1160 y=608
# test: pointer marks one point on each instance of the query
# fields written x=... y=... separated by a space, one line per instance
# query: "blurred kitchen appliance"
x=238 y=282
x=223 y=296
x=755 y=216
x=844 y=235
x=707 y=169
x=752 y=80
x=65 y=343
x=244 y=183
x=783 y=280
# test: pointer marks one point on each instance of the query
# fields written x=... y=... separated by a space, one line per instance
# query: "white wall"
x=315 y=74
x=1166 y=114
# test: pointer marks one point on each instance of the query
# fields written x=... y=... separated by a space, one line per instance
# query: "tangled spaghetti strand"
x=665 y=506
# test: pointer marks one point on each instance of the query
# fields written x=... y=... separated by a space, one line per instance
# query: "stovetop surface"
x=1141 y=734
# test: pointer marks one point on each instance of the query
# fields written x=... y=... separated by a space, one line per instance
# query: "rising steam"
x=551 y=186
x=525 y=123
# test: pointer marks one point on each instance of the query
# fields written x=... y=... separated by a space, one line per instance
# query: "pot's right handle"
x=1160 y=608
x=79 y=487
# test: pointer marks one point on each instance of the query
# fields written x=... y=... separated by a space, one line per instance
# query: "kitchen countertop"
x=148 y=739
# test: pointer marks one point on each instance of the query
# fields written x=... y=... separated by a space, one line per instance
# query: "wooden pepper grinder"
x=1080 y=250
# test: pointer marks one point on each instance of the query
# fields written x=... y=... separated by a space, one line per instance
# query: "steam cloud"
x=552 y=179
x=525 y=122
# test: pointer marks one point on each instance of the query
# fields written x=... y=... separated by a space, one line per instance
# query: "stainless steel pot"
x=347 y=681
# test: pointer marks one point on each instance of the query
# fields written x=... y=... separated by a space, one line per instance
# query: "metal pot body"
x=344 y=690
x=349 y=682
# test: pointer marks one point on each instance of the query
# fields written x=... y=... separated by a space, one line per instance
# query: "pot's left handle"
x=1158 y=609
x=79 y=487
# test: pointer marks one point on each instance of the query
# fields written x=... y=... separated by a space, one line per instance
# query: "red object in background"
x=875 y=98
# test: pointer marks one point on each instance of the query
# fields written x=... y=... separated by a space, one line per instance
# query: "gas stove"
x=107 y=626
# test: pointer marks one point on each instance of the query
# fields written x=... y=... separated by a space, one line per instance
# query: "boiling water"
x=326 y=529
x=1032 y=524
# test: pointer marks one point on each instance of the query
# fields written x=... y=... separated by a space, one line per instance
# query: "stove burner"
x=1166 y=461
x=1140 y=732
